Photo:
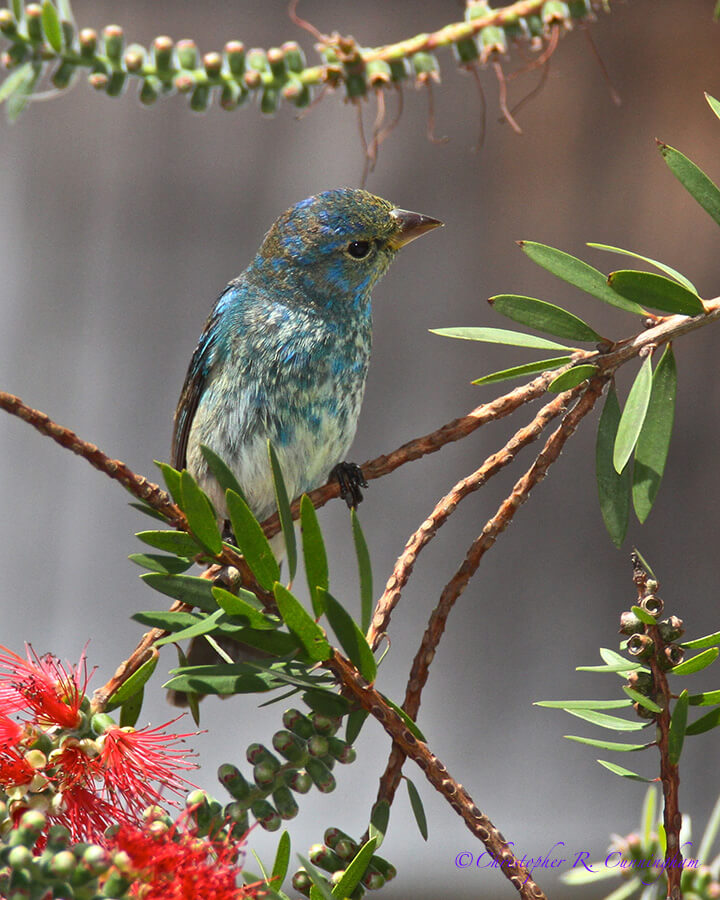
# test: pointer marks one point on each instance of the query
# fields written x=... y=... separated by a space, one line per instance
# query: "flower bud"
x=187 y=54
x=212 y=62
x=276 y=60
x=266 y=815
x=235 y=57
x=162 y=52
x=33 y=22
x=113 y=41
x=294 y=56
x=630 y=624
x=343 y=752
x=200 y=98
x=325 y=725
x=318 y=746
x=8 y=25
x=63 y=74
x=299 y=724
x=288 y=745
x=321 y=775
x=298 y=781
x=285 y=803
x=302 y=882
x=555 y=12
x=671 y=629
x=320 y=855
x=134 y=58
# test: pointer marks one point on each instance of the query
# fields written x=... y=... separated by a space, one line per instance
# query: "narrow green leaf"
x=604 y=721
x=241 y=606
x=572 y=378
x=252 y=542
x=707 y=698
x=668 y=270
x=583 y=704
x=282 y=861
x=66 y=13
x=676 y=734
x=500 y=336
x=613 y=489
x=607 y=745
x=647 y=818
x=157 y=562
x=633 y=416
x=15 y=80
x=354 y=872
x=704 y=723
x=206 y=625
x=693 y=179
x=130 y=710
x=327 y=702
x=616 y=668
x=200 y=514
x=543 y=316
x=644 y=701
x=51 y=26
x=709 y=640
x=274 y=643
x=644 y=616
x=409 y=724
x=654 y=440
x=222 y=679
x=221 y=471
x=168 y=620
x=715 y=107
x=417 y=808
x=301 y=624
x=177 y=542
x=582 y=875
x=645 y=564
x=352 y=640
x=18 y=8
x=283 y=505
x=135 y=683
x=541 y=365
x=355 y=722
x=19 y=98
x=148 y=511
x=172 y=479
x=656 y=291
x=314 y=554
x=364 y=571
x=711 y=831
x=379 y=819
x=625 y=773
x=188 y=588
x=319 y=882
x=696 y=663
x=579 y=274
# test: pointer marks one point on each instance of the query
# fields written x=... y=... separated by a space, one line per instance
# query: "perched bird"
x=285 y=352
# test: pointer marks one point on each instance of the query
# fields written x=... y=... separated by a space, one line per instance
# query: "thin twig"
x=438 y=776
x=457 y=584
x=502 y=98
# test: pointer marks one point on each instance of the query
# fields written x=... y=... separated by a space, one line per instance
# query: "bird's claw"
x=350 y=478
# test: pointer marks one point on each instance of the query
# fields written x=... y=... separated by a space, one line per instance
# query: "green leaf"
x=172 y=479
x=274 y=643
x=543 y=316
x=625 y=773
x=364 y=571
x=644 y=701
x=327 y=702
x=709 y=640
x=583 y=704
x=715 y=107
x=317 y=879
x=18 y=8
x=51 y=26
x=500 y=336
x=615 y=668
x=647 y=818
x=221 y=471
x=168 y=620
x=301 y=625
x=251 y=541
x=603 y=721
x=66 y=13
x=244 y=605
x=200 y=514
x=283 y=505
x=583 y=876
x=156 y=562
x=15 y=80
x=654 y=440
x=707 y=698
x=668 y=270
x=541 y=365
x=23 y=87
x=607 y=745
x=704 y=723
x=222 y=679
x=633 y=416
x=282 y=861
x=656 y=291
x=572 y=378
x=206 y=625
x=355 y=722
x=130 y=710
x=354 y=872
x=134 y=683
x=417 y=808
x=708 y=838
x=409 y=724
x=187 y=588
x=676 y=734
x=693 y=179
x=314 y=554
x=644 y=616
x=177 y=542
x=148 y=511
x=613 y=489
x=379 y=819
x=696 y=663
x=625 y=890
x=351 y=639
x=579 y=274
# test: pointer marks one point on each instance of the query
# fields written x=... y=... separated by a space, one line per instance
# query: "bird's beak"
x=412 y=225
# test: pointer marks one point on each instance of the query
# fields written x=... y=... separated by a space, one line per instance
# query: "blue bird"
x=285 y=352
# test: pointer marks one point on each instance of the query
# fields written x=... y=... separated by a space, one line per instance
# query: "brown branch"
x=438 y=776
x=447 y=505
x=457 y=584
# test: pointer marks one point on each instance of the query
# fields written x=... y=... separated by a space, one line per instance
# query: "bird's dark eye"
x=358 y=249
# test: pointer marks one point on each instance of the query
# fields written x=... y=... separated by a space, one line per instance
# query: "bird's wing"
x=209 y=350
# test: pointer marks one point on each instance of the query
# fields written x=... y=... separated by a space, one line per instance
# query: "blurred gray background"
x=119 y=227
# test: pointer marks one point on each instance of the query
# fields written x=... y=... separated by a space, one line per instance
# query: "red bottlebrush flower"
x=42 y=686
x=131 y=760
x=10 y=732
x=14 y=768
x=173 y=864
x=86 y=814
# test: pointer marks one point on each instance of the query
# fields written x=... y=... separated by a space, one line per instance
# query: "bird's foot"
x=350 y=478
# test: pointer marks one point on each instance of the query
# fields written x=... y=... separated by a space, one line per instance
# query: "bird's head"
x=334 y=246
